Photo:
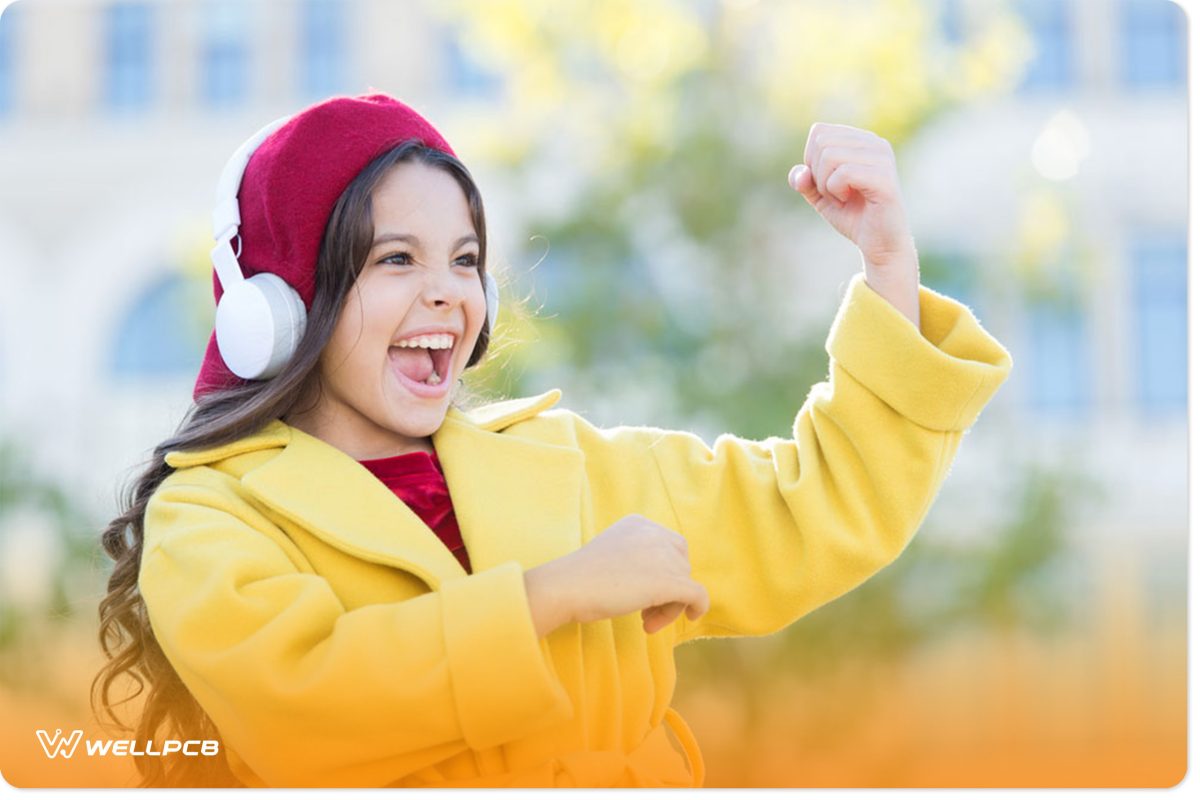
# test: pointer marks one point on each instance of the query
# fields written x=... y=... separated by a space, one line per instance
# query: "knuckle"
x=640 y=524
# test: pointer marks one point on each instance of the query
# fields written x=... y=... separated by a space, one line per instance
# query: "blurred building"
x=1091 y=154
x=116 y=118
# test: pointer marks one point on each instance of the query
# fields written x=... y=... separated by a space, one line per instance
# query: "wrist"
x=548 y=601
x=897 y=281
x=903 y=261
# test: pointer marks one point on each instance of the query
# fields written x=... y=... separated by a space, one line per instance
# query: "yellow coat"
x=336 y=641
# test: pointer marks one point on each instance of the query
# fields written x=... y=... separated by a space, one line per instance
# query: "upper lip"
x=432 y=330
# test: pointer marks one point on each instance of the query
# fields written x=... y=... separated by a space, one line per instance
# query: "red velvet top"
x=417 y=479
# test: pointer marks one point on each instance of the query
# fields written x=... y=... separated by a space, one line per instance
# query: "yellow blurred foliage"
x=1041 y=236
x=871 y=63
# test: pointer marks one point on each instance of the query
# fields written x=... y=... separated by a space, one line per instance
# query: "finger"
x=675 y=554
x=823 y=135
x=837 y=128
x=801 y=180
x=810 y=144
x=869 y=180
x=671 y=610
x=833 y=157
x=681 y=543
x=858 y=138
x=831 y=135
x=698 y=602
x=657 y=617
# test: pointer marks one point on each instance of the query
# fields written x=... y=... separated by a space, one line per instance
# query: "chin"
x=418 y=423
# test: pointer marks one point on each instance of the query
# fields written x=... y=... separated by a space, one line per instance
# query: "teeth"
x=434 y=379
x=442 y=341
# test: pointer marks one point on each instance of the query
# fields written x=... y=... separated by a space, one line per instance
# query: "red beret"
x=291 y=184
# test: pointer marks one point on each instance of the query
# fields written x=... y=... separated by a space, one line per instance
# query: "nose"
x=441 y=289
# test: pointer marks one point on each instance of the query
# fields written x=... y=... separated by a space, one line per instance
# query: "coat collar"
x=514 y=497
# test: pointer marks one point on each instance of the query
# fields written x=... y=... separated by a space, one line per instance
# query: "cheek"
x=337 y=347
x=478 y=303
x=372 y=319
x=351 y=340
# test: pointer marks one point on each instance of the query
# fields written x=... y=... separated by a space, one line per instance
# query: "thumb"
x=801 y=179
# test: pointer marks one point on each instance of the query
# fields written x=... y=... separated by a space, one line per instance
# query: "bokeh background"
x=658 y=269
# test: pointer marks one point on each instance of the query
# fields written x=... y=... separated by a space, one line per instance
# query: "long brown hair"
x=220 y=417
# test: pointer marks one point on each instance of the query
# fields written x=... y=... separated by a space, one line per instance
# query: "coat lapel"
x=514 y=497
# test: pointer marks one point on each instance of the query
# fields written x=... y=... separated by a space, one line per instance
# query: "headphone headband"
x=226 y=216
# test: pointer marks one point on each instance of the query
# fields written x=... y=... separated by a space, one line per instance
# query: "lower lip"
x=422 y=389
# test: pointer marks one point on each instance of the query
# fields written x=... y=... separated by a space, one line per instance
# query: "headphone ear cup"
x=298 y=320
x=259 y=324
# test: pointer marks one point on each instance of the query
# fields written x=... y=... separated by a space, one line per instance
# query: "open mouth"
x=423 y=365
x=441 y=360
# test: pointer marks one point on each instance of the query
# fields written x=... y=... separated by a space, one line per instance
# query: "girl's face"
x=421 y=276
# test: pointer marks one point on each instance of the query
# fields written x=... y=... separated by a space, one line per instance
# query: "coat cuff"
x=502 y=674
x=940 y=378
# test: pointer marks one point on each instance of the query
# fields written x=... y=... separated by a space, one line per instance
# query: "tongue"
x=415 y=362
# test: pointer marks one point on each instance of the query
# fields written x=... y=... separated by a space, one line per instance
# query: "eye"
x=469 y=260
x=388 y=259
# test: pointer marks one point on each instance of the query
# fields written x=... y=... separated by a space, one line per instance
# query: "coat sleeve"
x=778 y=527
x=309 y=693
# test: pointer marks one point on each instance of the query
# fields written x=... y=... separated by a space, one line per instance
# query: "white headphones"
x=261 y=319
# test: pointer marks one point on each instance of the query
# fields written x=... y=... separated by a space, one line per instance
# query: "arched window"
x=164 y=333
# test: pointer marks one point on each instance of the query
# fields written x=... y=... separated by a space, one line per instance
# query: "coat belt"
x=655 y=763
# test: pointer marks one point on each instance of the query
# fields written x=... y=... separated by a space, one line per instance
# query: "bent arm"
x=311 y=694
x=778 y=527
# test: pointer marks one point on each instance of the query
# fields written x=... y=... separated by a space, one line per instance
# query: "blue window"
x=8 y=20
x=1159 y=282
x=466 y=75
x=225 y=53
x=322 y=47
x=163 y=335
x=127 y=55
x=1152 y=43
x=1049 y=26
x=1057 y=358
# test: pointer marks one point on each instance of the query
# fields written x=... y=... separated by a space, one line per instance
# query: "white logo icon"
x=58 y=744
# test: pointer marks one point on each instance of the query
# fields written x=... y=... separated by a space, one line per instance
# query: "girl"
x=347 y=580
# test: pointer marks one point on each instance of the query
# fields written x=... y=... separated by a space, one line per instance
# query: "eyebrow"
x=416 y=241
